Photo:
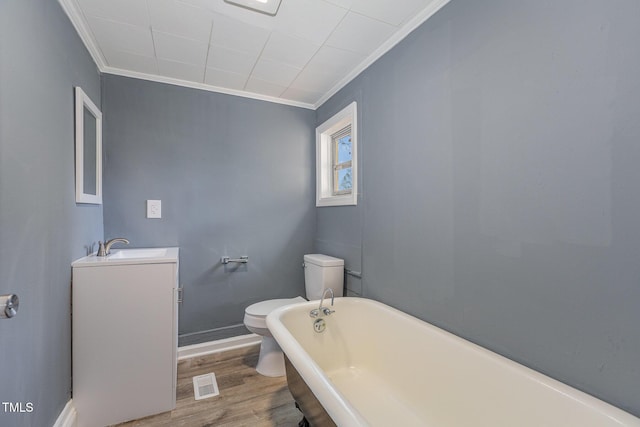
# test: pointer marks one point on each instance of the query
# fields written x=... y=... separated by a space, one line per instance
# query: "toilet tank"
x=322 y=272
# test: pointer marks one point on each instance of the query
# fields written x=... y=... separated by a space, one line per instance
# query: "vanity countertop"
x=129 y=256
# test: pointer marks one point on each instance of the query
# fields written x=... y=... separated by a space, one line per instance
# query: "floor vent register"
x=205 y=386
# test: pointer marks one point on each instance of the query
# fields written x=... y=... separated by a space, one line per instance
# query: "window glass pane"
x=344 y=149
x=344 y=179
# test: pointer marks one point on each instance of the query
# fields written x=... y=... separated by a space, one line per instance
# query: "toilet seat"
x=256 y=314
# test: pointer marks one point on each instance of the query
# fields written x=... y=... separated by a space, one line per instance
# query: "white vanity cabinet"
x=125 y=335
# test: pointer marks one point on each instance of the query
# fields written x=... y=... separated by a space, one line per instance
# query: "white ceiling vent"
x=269 y=7
x=205 y=386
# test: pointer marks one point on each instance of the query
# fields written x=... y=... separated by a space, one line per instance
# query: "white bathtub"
x=377 y=366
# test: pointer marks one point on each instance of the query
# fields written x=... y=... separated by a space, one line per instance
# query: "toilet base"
x=271 y=359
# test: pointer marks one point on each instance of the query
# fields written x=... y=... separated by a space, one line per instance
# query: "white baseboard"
x=218 y=346
x=68 y=416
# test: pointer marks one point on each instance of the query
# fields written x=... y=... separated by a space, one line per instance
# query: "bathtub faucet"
x=323 y=310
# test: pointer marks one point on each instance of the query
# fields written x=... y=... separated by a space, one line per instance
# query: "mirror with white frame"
x=88 y=150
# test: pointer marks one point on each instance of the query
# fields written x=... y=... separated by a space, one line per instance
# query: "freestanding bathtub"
x=376 y=366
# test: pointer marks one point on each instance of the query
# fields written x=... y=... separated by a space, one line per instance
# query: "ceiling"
x=300 y=57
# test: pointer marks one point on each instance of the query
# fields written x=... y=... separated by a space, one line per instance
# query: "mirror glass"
x=88 y=150
x=89 y=157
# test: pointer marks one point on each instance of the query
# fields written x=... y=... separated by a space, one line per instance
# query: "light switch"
x=154 y=208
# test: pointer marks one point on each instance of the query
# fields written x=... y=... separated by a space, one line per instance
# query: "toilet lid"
x=265 y=307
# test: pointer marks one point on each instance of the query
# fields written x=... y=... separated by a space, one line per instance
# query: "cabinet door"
x=123 y=342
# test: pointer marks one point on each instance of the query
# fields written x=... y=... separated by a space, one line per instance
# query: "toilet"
x=320 y=272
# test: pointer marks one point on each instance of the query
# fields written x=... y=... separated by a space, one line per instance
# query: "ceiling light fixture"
x=268 y=7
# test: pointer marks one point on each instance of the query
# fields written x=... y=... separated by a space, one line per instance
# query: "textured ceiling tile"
x=306 y=51
x=178 y=70
x=289 y=50
x=180 y=49
x=335 y=61
x=274 y=72
x=233 y=34
x=231 y=60
x=358 y=33
x=119 y=36
x=175 y=17
x=392 y=12
x=132 y=12
x=315 y=79
x=225 y=79
x=346 y=4
x=130 y=61
x=301 y=95
x=309 y=19
x=264 y=88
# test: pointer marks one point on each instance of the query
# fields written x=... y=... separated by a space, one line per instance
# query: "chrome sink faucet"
x=105 y=248
x=323 y=310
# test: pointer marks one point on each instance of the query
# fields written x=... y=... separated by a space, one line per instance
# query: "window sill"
x=344 y=200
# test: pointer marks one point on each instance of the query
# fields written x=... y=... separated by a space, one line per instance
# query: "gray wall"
x=499 y=154
x=498 y=189
x=235 y=178
x=41 y=228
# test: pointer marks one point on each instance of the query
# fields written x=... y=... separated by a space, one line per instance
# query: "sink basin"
x=138 y=253
x=129 y=256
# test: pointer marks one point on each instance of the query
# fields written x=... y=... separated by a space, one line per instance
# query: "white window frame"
x=325 y=159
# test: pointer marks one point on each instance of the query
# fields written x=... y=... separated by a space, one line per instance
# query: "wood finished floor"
x=246 y=397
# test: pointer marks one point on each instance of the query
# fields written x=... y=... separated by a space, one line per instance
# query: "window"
x=342 y=161
x=336 y=159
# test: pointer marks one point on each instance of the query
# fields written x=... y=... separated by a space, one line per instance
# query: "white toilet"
x=320 y=272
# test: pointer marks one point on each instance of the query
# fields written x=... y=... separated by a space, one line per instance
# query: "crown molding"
x=70 y=7
x=403 y=32
x=72 y=10
x=203 y=86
